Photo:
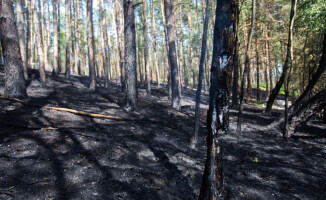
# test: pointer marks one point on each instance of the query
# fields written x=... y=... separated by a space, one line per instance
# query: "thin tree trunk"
x=155 y=45
x=45 y=35
x=217 y=115
x=40 y=47
x=258 y=71
x=286 y=66
x=91 y=45
x=166 y=44
x=130 y=54
x=104 y=44
x=170 y=21
x=146 y=49
x=21 y=34
x=29 y=35
x=56 y=38
x=286 y=110
x=67 y=25
x=13 y=64
x=246 y=69
x=201 y=69
x=236 y=77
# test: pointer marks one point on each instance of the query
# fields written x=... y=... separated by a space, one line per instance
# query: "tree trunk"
x=258 y=72
x=67 y=25
x=56 y=38
x=246 y=69
x=201 y=69
x=104 y=44
x=286 y=66
x=236 y=77
x=146 y=49
x=29 y=35
x=45 y=34
x=40 y=47
x=170 y=21
x=91 y=45
x=217 y=115
x=13 y=64
x=155 y=45
x=21 y=34
x=306 y=110
x=130 y=54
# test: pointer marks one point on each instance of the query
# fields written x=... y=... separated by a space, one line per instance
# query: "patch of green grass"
x=258 y=103
x=261 y=86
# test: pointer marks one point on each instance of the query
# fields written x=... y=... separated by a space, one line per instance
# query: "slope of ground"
x=48 y=154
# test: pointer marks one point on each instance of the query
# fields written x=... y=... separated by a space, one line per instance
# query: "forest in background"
x=266 y=54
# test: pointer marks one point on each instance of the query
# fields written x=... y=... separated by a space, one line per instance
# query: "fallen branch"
x=77 y=112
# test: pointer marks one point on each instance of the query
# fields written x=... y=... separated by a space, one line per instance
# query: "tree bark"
x=246 y=69
x=217 y=115
x=130 y=54
x=146 y=49
x=91 y=45
x=258 y=71
x=201 y=69
x=306 y=110
x=67 y=27
x=40 y=47
x=155 y=45
x=21 y=34
x=45 y=34
x=13 y=64
x=286 y=66
x=170 y=20
x=235 y=86
x=29 y=35
x=104 y=44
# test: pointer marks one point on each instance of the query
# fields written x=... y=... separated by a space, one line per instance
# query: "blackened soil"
x=48 y=154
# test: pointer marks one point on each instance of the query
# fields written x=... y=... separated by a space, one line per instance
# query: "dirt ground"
x=48 y=154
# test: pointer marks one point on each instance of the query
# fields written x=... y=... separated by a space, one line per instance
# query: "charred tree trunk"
x=286 y=66
x=13 y=64
x=201 y=69
x=170 y=21
x=217 y=115
x=246 y=69
x=305 y=111
x=67 y=27
x=235 y=86
x=21 y=34
x=91 y=45
x=130 y=54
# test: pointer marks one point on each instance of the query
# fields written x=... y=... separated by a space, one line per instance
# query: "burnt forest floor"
x=49 y=154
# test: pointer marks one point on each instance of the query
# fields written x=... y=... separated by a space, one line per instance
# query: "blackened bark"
x=104 y=44
x=201 y=69
x=67 y=27
x=246 y=69
x=130 y=55
x=235 y=86
x=21 y=34
x=13 y=64
x=286 y=66
x=306 y=110
x=171 y=31
x=91 y=45
x=217 y=115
